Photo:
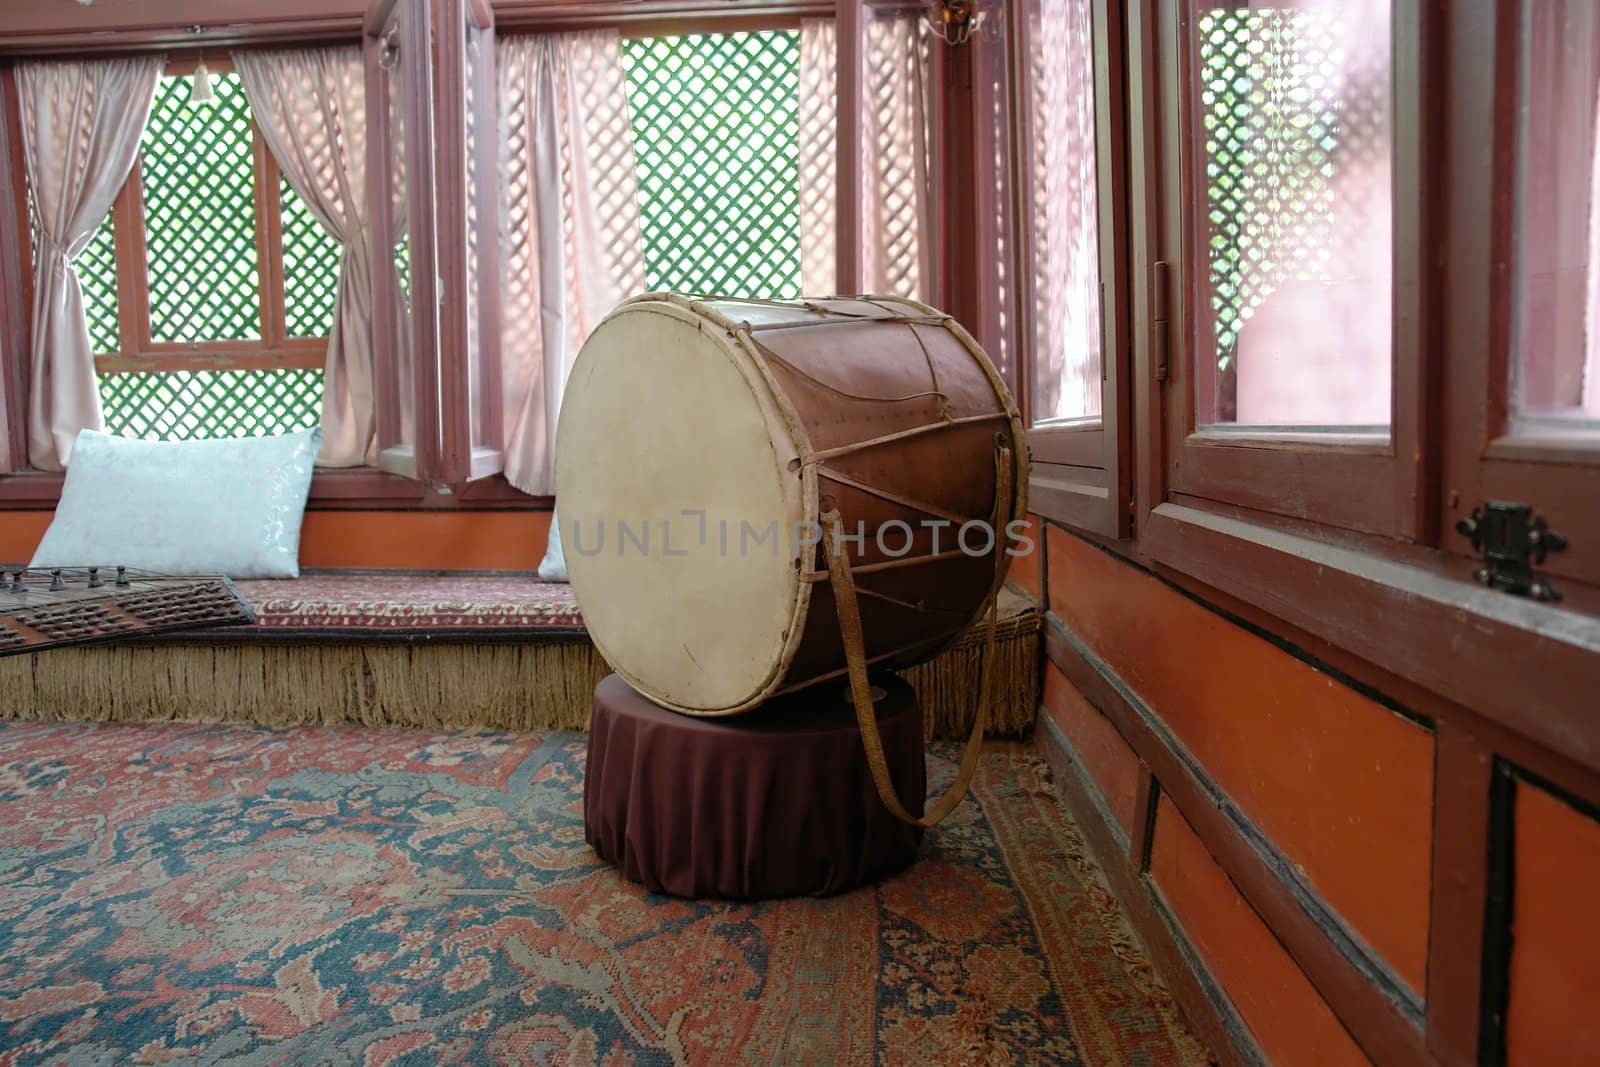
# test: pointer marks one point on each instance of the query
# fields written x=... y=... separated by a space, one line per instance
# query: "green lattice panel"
x=716 y=133
x=310 y=268
x=199 y=202
x=97 y=275
x=192 y=405
x=1275 y=127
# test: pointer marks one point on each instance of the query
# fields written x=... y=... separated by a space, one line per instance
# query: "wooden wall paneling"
x=1337 y=781
x=1110 y=765
x=1205 y=1008
x=1380 y=1012
x=1289 y=1021
x=1461 y=814
x=1554 y=980
x=1407 y=612
x=1027 y=570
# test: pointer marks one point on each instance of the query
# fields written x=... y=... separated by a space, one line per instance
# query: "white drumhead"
x=666 y=417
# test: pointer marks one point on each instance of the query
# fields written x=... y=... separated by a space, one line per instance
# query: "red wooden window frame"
x=1484 y=457
x=1351 y=482
x=450 y=447
x=1081 y=476
x=136 y=352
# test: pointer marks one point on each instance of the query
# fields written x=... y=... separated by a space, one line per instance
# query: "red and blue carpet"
x=345 y=895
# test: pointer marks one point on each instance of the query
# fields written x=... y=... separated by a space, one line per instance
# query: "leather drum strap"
x=844 y=596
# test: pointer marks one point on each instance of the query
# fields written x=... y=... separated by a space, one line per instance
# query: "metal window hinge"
x=1160 y=334
x=1512 y=539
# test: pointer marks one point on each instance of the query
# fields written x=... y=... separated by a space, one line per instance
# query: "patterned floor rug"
x=346 y=895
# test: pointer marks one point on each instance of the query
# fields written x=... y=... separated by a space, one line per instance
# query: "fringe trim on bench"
x=534 y=686
x=947 y=686
x=438 y=686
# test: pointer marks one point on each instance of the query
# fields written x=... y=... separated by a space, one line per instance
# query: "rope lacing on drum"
x=749 y=335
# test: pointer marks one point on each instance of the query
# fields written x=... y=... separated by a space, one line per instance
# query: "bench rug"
x=499 y=652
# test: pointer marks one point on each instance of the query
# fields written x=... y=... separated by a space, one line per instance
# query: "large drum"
x=703 y=442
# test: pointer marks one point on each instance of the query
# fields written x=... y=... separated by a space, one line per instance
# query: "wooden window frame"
x=136 y=352
x=1081 y=475
x=447 y=451
x=1407 y=609
x=1484 y=458
x=1344 y=481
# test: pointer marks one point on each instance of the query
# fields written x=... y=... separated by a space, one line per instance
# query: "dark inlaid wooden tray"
x=42 y=609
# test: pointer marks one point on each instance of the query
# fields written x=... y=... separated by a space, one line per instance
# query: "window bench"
x=441 y=651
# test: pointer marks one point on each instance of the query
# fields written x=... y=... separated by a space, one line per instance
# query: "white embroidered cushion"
x=230 y=506
x=553 y=568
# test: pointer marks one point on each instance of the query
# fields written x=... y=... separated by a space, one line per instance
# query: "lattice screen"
x=189 y=405
x=716 y=122
x=199 y=202
x=310 y=268
x=97 y=274
x=1279 y=122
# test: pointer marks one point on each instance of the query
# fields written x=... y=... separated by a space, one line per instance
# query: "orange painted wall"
x=1028 y=571
x=1288 y=1018
x=1341 y=785
x=1555 y=954
x=404 y=540
x=1104 y=754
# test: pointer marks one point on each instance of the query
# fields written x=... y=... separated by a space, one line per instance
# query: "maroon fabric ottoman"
x=776 y=802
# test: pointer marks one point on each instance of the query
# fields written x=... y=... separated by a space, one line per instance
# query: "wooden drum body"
x=701 y=443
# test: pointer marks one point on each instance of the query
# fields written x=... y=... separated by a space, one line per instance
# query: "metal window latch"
x=1512 y=539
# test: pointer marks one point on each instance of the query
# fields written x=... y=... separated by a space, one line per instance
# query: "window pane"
x=1064 y=210
x=310 y=268
x=199 y=205
x=716 y=132
x=1556 y=373
x=1293 y=104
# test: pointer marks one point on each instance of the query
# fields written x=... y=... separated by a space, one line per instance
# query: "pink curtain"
x=819 y=188
x=1063 y=210
x=310 y=105
x=897 y=211
x=570 y=238
x=81 y=125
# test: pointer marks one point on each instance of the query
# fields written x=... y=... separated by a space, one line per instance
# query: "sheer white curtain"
x=570 y=240
x=81 y=124
x=897 y=208
x=310 y=104
x=1063 y=210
